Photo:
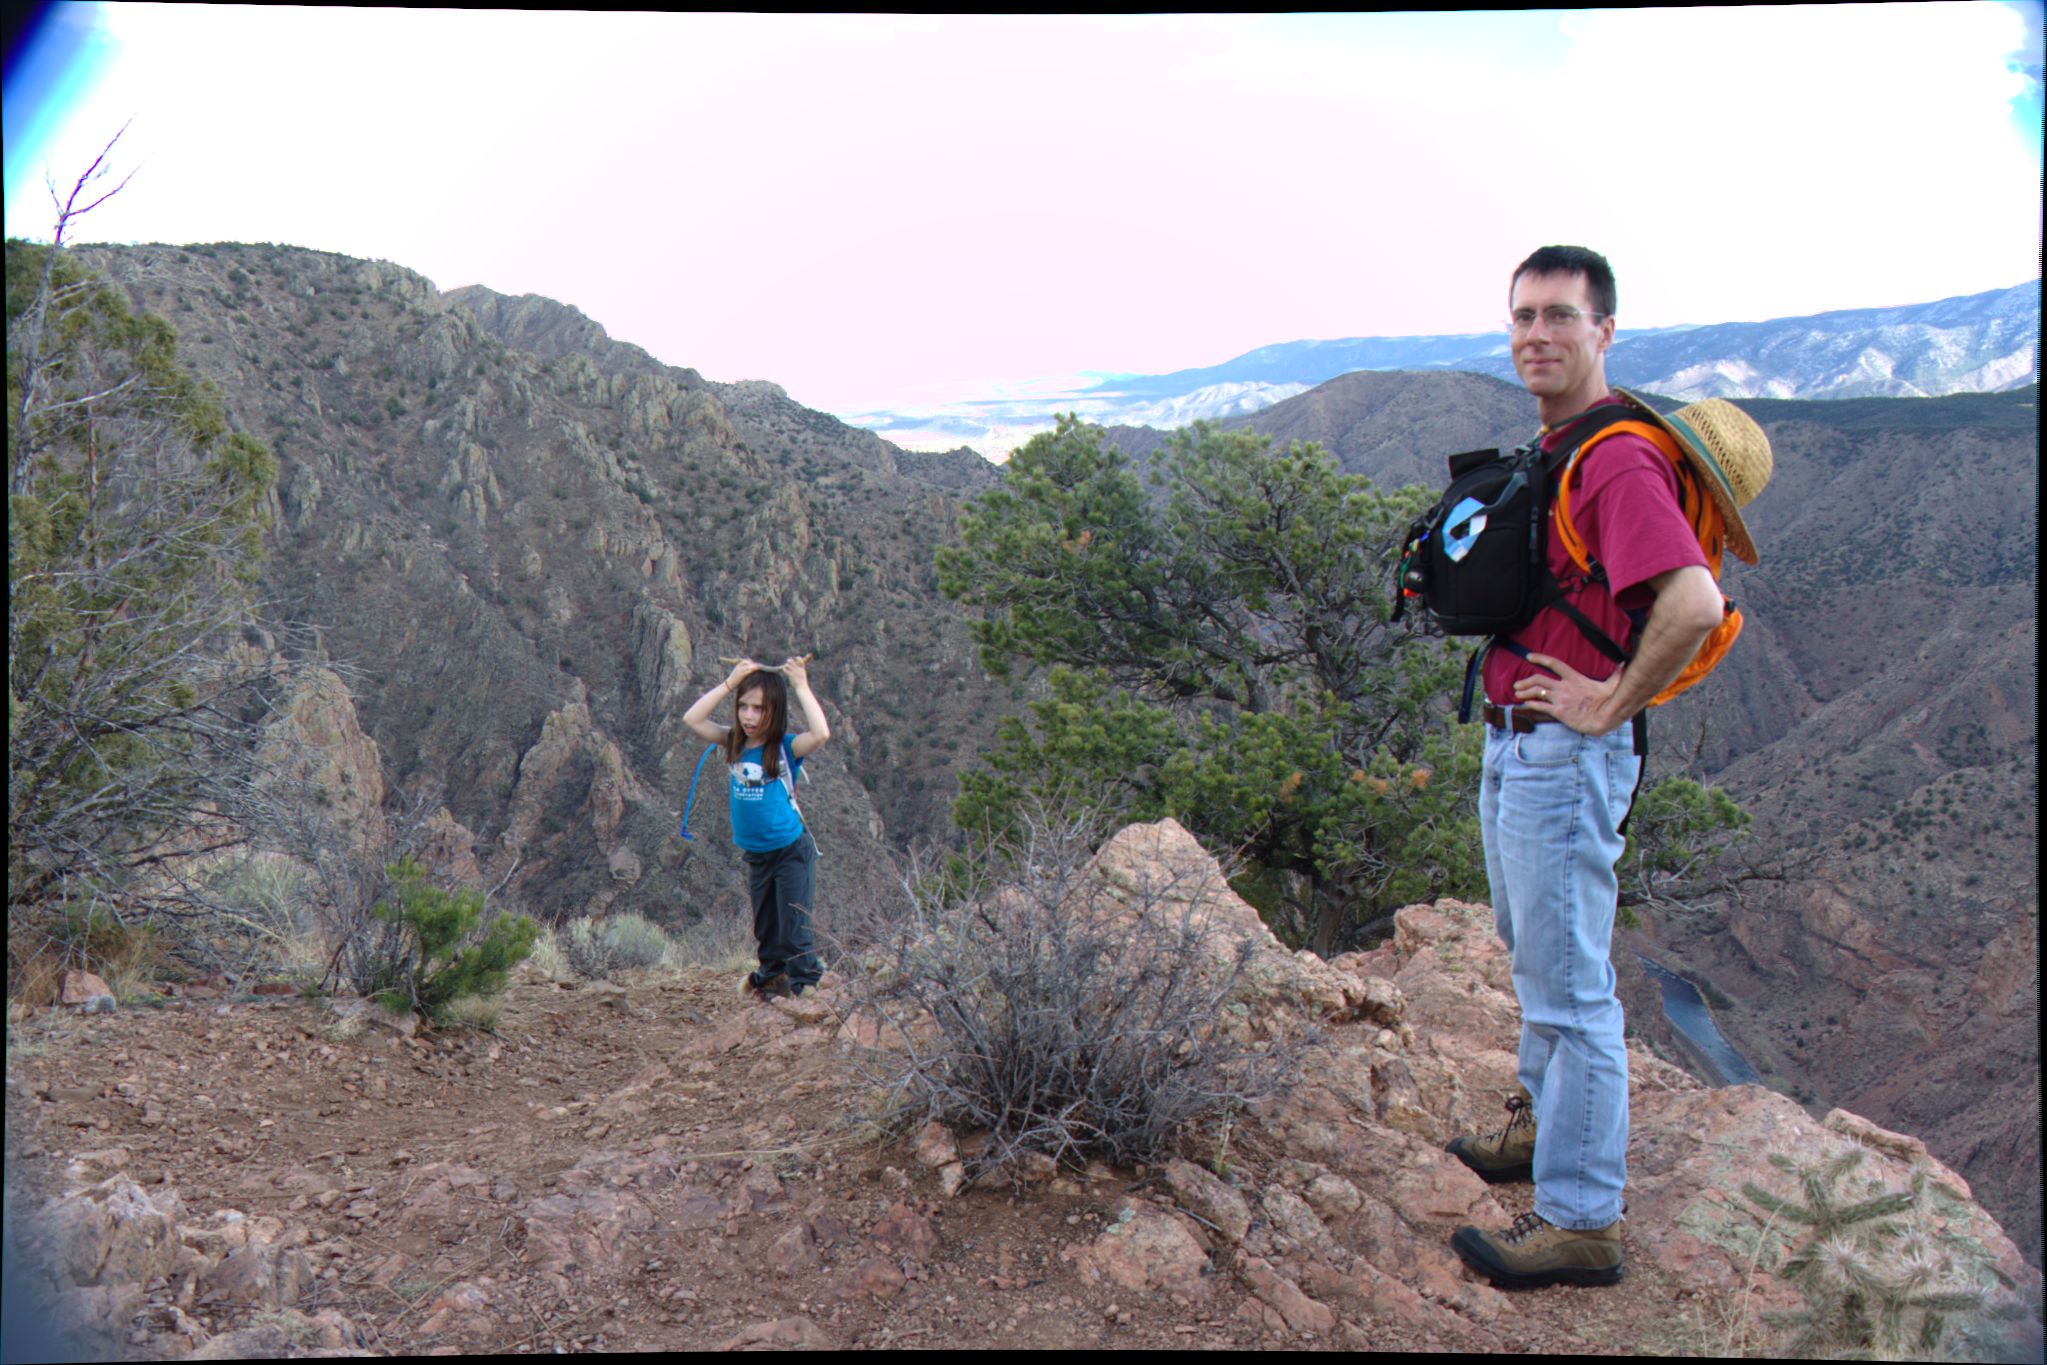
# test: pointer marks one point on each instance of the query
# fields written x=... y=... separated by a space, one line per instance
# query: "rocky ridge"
x=661 y=1167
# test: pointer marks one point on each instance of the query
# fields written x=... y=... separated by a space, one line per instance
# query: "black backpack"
x=1477 y=561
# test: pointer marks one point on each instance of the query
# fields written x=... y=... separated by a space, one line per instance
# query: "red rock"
x=1147 y=1248
x=905 y=1232
x=1300 y=1312
x=877 y=1277
x=1207 y=1196
x=761 y=1190
x=830 y=1229
x=265 y=1275
x=461 y=1308
x=1430 y=1190
x=935 y=1145
x=82 y=987
x=794 y=1251
x=112 y=1233
x=1292 y=1218
x=699 y=1211
x=786 y=1334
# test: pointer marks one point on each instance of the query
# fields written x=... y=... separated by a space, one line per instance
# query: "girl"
x=781 y=857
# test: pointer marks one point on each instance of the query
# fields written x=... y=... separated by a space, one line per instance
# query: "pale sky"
x=870 y=210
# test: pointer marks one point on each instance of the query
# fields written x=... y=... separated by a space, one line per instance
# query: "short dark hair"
x=1572 y=260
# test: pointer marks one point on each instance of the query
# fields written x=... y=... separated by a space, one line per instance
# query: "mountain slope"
x=536 y=558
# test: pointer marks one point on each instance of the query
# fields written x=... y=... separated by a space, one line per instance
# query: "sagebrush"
x=601 y=949
x=1026 y=998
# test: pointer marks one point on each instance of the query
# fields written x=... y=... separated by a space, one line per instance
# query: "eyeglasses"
x=1557 y=317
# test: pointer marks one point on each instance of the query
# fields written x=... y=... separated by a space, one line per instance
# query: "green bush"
x=438 y=955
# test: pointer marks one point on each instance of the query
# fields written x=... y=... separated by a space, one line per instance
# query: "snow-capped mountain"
x=1975 y=343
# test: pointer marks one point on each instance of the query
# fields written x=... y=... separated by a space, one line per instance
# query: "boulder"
x=1147 y=1249
x=83 y=988
x=111 y=1233
x=1210 y=1199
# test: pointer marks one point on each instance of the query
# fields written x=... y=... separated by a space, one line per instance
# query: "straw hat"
x=1725 y=444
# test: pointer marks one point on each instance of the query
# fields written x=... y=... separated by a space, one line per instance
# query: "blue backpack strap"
x=690 y=804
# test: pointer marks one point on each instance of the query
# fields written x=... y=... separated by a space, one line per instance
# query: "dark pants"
x=781 y=883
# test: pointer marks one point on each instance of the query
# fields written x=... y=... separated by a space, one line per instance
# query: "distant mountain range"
x=1979 y=343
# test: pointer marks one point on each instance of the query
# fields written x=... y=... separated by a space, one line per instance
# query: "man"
x=1560 y=773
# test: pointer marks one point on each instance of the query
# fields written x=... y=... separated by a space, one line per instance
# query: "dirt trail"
x=657 y=1167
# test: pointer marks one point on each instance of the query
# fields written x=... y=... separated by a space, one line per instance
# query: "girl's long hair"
x=775 y=694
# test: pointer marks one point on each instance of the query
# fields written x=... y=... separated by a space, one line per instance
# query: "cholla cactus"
x=1876 y=1285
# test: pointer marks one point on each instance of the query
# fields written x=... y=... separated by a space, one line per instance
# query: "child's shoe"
x=755 y=988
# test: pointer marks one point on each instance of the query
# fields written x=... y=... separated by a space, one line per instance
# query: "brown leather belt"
x=1520 y=719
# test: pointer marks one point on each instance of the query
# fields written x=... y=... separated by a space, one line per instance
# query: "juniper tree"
x=134 y=516
x=1220 y=651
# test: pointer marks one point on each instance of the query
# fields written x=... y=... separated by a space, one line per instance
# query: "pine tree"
x=1220 y=652
x=435 y=947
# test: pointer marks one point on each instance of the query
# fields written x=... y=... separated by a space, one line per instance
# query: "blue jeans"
x=1549 y=806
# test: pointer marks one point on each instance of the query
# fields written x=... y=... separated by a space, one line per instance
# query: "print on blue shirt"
x=763 y=819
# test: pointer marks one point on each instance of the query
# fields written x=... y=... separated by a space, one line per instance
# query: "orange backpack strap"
x=1574 y=545
x=1700 y=512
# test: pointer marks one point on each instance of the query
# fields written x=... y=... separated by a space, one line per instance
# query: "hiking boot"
x=754 y=987
x=1508 y=1154
x=1535 y=1252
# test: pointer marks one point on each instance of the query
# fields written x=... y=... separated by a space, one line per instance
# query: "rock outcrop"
x=1422 y=1035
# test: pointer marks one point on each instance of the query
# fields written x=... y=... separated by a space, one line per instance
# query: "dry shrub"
x=477 y=1011
x=41 y=948
x=1024 y=998
x=547 y=957
x=602 y=949
x=721 y=943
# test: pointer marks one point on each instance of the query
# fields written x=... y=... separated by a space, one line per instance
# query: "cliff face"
x=536 y=549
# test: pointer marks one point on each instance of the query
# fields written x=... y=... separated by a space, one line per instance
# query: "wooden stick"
x=771 y=668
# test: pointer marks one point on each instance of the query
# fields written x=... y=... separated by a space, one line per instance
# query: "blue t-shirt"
x=763 y=818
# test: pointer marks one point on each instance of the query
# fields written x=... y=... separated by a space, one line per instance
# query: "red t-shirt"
x=1624 y=506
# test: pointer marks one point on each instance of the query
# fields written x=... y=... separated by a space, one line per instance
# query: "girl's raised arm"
x=813 y=739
